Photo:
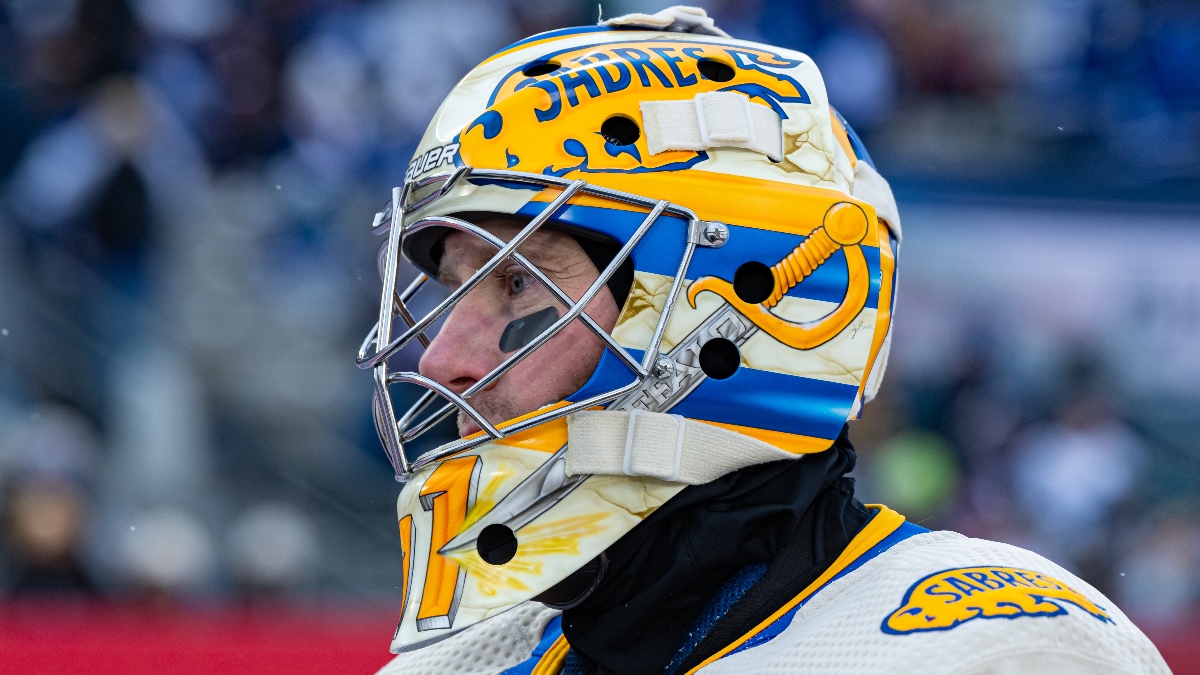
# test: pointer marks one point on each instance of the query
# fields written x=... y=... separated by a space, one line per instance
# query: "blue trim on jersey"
x=553 y=629
x=779 y=625
x=550 y=635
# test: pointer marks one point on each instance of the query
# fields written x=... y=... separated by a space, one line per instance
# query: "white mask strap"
x=719 y=119
x=670 y=447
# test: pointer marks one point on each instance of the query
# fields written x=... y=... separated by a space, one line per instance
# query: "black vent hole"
x=753 y=282
x=715 y=70
x=719 y=358
x=620 y=130
x=496 y=544
x=539 y=68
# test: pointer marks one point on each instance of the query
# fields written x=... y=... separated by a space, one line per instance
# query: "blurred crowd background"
x=186 y=271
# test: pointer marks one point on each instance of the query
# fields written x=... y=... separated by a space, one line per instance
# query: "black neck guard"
x=661 y=574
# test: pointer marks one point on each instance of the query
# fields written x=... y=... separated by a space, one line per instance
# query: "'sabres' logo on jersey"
x=526 y=127
x=953 y=597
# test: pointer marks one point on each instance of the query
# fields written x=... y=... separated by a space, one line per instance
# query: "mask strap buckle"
x=631 y=439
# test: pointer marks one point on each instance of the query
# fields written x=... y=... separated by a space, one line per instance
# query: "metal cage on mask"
x=417 y=195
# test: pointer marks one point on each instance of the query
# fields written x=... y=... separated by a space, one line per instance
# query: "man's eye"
x=517 y=283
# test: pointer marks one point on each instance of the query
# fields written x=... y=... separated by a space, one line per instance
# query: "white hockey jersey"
x=900 y=599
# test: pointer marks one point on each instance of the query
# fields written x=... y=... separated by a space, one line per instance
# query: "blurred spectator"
x=44 y=526
x=274 y=549
x=44 y=466
x=1072 y=475
x=168 y=552
x=1159 y=579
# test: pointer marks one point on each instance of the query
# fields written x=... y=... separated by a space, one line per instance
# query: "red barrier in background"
x=49 y=638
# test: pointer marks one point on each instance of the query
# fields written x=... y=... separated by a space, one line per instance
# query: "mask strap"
x=670 y=447
x=712 y=120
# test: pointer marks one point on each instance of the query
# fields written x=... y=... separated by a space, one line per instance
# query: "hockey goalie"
x=669 y=272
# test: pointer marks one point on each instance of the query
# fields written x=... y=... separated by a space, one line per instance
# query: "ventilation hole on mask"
x=719 y=358
x=496 y=544
x=753 y=282
x=539 y=68
x=620 y=130
x=715 y=70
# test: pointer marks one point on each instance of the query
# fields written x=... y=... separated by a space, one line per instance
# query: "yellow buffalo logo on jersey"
x=949 y=598
x=525 y=128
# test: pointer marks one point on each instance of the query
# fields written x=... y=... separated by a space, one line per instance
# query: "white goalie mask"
x=763 y=252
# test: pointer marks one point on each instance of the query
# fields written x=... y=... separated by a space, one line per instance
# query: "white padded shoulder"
x=840 y=629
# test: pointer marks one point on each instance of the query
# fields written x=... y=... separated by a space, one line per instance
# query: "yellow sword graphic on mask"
x=843 y=227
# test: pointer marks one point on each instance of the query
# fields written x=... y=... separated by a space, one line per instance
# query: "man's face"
x=468 y=346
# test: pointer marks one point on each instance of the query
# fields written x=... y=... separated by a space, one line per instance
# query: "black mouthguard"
x=522 y=331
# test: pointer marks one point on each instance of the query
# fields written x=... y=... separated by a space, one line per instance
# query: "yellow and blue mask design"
x=550 y=121
x=793 y=300
x=950 y=598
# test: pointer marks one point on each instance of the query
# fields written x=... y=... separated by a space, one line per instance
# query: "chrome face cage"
x=393 y=432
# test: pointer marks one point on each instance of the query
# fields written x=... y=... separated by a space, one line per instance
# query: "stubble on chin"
x=494 y=409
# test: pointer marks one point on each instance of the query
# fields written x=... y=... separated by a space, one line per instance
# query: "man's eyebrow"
x=546 y=256
x=446 y=275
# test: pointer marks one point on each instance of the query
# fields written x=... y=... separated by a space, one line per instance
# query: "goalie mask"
x=762 y=248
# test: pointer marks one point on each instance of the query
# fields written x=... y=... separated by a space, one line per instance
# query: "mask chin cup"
x=577 y=587
x=522 y=331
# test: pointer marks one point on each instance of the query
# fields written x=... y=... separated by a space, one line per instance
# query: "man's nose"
x=464 y=350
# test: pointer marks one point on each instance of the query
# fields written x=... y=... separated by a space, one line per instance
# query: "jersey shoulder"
x=490 y=647
x=941 y=602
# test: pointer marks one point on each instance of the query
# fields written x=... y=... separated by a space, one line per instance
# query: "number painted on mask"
x=407 y=542
x=448 y=493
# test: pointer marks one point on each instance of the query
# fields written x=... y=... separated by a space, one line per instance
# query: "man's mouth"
x=468 y=426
